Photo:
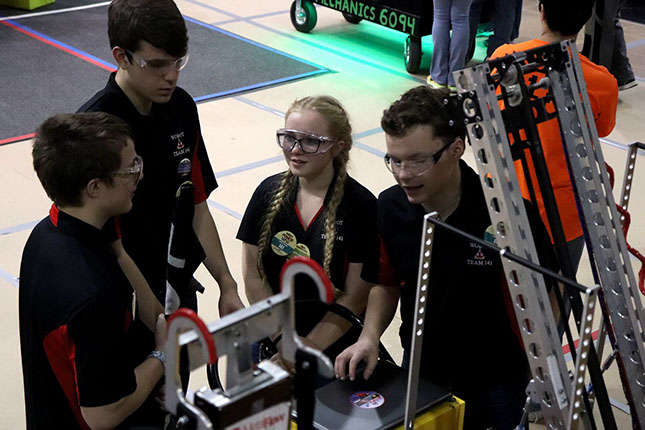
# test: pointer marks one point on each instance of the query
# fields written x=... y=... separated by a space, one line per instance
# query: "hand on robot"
x=364 y=350
x=287 y=365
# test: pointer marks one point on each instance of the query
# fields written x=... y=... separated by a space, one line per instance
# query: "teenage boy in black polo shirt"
x=469 y=344
x=74 y=300
x=149 y=42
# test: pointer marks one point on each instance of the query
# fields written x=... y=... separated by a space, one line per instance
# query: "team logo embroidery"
x=181 y=149
x=479 y=255
x=479 y=259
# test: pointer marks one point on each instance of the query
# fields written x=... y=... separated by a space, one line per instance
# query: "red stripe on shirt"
x=60 y=350
x=53 y=215
x=386 y=273
x=117 y=226
x=196 y=176
x=305 y=227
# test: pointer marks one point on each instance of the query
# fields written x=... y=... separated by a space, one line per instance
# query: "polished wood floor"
x=368 y=74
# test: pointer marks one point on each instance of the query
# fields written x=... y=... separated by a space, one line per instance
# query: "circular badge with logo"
x=489 y=235
x=283 y=243
x=300 y=250
x=367 y=399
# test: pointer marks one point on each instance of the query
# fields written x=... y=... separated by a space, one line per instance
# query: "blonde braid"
x=279 y=199
x=330 y=220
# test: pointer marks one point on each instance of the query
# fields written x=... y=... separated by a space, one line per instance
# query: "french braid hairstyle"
x=338 y=121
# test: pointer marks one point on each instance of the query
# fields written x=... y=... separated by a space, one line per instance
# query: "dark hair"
x=567 y=17
x=72 y=149
x=422 y=106
x=158 y=22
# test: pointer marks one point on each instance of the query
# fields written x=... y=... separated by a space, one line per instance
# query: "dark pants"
x=620 y=67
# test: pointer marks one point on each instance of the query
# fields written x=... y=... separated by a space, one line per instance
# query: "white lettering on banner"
x=274 y=418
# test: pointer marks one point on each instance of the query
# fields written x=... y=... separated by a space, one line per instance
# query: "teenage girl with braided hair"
x=313 y=209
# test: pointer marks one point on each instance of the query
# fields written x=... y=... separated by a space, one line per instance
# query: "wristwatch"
x=159 y=355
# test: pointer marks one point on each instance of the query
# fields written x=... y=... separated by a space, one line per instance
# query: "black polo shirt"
x=165 y=137
x=356 y=236
x=469 y=340
x=74 y=309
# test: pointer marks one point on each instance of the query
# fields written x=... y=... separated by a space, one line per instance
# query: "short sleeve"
x=249 y=231
x=103 y=372
x=202 y=174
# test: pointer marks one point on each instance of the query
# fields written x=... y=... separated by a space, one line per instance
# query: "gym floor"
x=368 y=74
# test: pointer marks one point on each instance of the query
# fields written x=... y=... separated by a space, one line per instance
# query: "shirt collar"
x=75 y=227
x=129 y=110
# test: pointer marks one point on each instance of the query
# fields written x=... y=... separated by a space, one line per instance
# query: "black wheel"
x=352 y=18
x=305 y=19
x=412 y=54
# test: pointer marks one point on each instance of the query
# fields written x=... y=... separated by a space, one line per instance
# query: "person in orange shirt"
x=563 y=21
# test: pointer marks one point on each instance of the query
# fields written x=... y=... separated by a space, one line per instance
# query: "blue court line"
x=635 y=44
x=260 y=85
x=249 y=166
x=618 y=145
x=306 y=42
x=18 y=228
x=224 y=209
x=369 y=149
x=251 y=42
x=9 y=278
x=66 y=46
x=262 y=15
x=367 y=133
x=260 y=106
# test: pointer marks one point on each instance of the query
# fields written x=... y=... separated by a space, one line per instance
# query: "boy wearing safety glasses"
x=469 y=343
x=149 y=42
x=75 y=303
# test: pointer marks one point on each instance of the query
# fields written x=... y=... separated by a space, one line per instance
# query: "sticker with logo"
x=285 y=244
x=489 y=235
x=367 y=399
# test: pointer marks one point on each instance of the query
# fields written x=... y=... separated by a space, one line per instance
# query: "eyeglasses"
x=414 y=167
x=309 y=143
x=157 y=66
x=136 y=169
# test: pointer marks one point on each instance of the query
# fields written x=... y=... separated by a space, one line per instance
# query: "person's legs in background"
x=503 y=19
x=459 y=42
x=518 y=20
x=474 y=18
x=620 y=66
x=441 y=42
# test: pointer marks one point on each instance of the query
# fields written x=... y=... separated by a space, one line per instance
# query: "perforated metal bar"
x=584 y=344
x=599 y=215
x=527 y=289
x=630 y=166
x=419 y=319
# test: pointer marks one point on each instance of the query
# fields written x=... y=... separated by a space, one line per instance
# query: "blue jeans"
x=449 y=53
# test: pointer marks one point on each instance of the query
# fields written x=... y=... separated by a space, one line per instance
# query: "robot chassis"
x=555 y=89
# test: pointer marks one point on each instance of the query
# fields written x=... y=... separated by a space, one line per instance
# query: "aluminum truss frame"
x=480 y=90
